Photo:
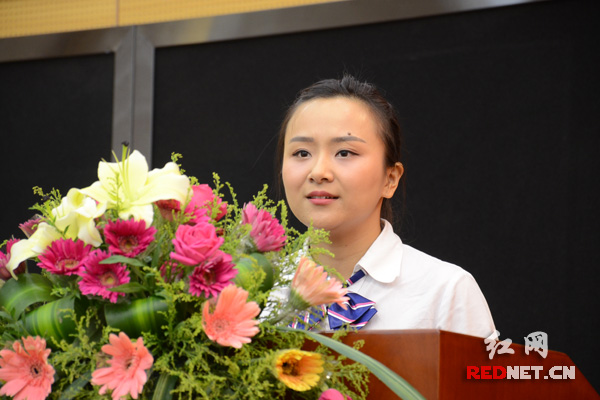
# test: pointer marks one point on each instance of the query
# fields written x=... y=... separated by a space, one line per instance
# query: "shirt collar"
x=383 y=260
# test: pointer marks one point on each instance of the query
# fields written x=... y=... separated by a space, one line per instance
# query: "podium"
x=436 y=364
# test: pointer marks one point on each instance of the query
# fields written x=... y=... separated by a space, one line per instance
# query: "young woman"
x=339 y=159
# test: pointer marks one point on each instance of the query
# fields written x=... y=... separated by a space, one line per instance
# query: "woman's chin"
x=324 y=224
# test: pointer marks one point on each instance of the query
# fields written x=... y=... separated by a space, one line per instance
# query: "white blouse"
x=413 y=290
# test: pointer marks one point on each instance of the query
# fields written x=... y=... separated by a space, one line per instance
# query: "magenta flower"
x=212 y=276
x=195 y=244
x=128 y=237
x=64 y=257
x=29 y=227
x=332 y=394
x=198 y=207
x=98 y=278
x=4 y=258
x=267 y=233
x=201 y=203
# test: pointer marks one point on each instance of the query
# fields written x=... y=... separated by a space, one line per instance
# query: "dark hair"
x=351 y=87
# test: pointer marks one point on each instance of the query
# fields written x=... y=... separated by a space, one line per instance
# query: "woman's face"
x=333 y=168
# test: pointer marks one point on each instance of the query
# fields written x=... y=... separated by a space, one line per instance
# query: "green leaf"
x=54 y=319
x=17 y=295
x=141 y=315
x=123 y=260
x=75 y=387
x=131 y=287
x=163 y=388
x=248 y=266
x=392 y=380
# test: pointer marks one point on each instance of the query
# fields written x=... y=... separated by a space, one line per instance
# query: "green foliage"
x=79 y=357
x=49 y=201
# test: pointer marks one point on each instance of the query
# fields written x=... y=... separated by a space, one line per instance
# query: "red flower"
x=64 y=257
x=198 y=207
x=167 y=207
x=128 y=237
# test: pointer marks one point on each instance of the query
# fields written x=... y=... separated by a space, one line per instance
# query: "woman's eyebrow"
x=347 y=139
x=340 y=139
x=301 y=139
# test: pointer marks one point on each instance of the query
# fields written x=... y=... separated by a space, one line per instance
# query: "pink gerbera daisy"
x=98 y=278
x=128 y=237
x=26 y=370
x=64 y=257
x=212 y=276
x=310 y=287
x=127 y=371
x=267 y=232
x=231 y=323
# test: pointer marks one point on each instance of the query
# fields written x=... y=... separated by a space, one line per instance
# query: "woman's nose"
x=321 y=170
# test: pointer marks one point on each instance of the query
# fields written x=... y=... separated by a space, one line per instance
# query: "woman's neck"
x=348 y=248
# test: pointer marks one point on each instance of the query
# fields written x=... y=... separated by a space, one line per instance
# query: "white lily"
x=75 y=217
x=130 y=188
x=34 y=246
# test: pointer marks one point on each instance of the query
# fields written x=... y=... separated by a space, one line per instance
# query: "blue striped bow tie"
x=359 y=310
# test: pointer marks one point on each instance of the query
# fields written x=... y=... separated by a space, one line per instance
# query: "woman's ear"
x=393 y=175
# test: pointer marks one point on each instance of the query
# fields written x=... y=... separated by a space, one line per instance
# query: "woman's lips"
x=321 y=198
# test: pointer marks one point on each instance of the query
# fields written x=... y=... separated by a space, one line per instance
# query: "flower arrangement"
x=153 y=286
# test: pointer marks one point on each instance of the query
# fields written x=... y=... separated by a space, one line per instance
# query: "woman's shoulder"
x=460 y=306
x=418 y=263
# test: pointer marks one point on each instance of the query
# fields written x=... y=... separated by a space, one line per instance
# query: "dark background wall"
x=55 y=125
x=500 y=115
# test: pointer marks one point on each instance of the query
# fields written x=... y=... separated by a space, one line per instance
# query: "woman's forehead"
x=338 y=117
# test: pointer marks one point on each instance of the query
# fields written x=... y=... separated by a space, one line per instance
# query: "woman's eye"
x=301 y=153
x=345 y=153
